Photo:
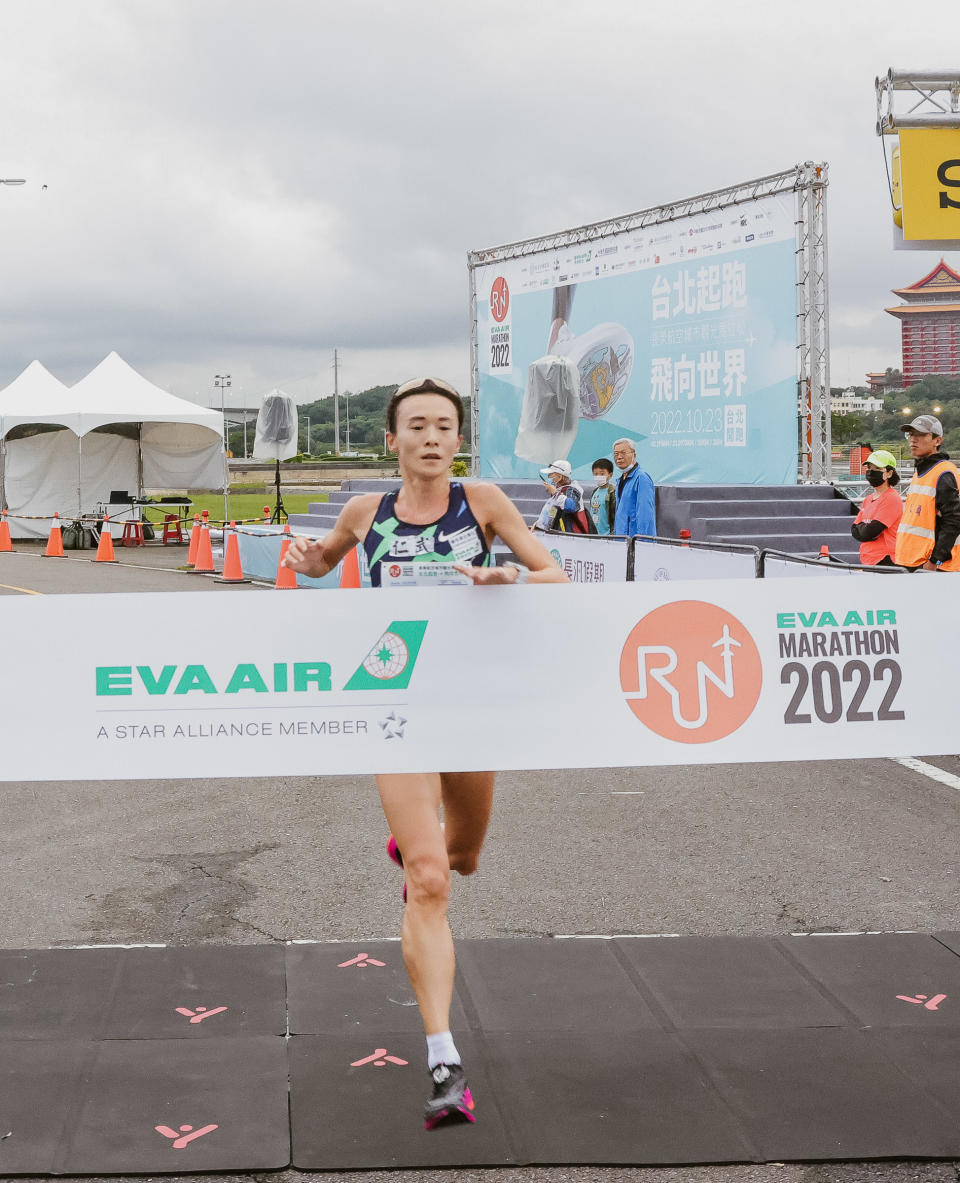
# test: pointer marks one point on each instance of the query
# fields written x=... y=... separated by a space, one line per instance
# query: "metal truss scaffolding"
x=809 y=182
x=938 y=103
x=813 y=329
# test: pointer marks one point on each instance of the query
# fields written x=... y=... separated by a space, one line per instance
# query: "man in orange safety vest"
x=927 y=536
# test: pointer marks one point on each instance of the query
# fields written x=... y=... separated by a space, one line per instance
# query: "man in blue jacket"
x=636 y=496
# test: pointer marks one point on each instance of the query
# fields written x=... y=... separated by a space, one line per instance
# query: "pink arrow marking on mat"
x=379 y=1059
x=185 y=1135
x=360 y=961
x=922 y=1000
x=201 y=1013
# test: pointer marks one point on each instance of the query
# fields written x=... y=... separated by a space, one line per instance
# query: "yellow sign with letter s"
x=927 y=175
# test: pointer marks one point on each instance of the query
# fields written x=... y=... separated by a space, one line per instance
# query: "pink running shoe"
x=452 y=1101
x=394 y=852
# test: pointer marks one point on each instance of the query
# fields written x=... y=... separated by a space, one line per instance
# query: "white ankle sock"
x=441 y=1050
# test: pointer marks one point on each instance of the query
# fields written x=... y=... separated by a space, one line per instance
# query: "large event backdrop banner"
x=426 y=679
x=684 y=335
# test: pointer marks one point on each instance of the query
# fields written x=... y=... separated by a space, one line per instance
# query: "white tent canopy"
x=35 y=396
x=113 y=392
x=121 y=432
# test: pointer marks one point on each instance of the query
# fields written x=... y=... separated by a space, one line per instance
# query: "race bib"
x=422 y=575
x=463 y=543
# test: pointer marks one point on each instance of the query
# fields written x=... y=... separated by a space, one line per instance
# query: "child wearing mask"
x=603 y=503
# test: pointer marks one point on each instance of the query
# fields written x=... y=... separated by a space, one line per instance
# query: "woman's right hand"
x=306 y=556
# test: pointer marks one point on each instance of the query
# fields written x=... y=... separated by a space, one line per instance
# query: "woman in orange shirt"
x=875 y=526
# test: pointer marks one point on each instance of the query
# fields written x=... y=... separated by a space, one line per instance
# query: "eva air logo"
x=389 y=664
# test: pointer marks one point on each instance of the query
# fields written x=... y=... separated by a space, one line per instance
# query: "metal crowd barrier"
x=781 y=564
x=646 y=558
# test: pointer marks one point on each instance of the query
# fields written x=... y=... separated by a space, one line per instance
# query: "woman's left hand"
x=483 y=576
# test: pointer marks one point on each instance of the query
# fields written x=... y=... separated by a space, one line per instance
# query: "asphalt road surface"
x=753 y=849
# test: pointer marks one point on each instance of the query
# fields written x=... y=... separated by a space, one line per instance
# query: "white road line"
x=337 y=940
x=612 y=936
x=627 y=793
x=930 y=770
x=144 y=945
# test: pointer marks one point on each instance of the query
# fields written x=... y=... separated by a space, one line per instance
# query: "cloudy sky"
x=242 y=185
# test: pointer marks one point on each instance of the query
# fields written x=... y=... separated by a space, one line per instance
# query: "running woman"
x=432 y=520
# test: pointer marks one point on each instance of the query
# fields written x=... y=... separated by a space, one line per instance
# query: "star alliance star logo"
x=393 y=726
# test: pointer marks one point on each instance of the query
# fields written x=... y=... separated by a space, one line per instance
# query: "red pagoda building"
x=930 y=325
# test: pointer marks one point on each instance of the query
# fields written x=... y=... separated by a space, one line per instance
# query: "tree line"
x=882 y=428
x=367 y=413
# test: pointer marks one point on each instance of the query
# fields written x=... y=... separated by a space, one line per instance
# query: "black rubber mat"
x=114 y=993
x=142 y=1100
x=39 y=1091
x=143 y=1106
x=932 y=1061
x=562 y=985
x=352 y=1108
x=823 y=1093
x=633 y=1051
x=336 y=989
x=729 y=982
x=640 y=1097
x=950 y=939
x=886 y=980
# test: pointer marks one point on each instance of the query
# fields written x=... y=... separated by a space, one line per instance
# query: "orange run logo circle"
x=691 y=672
x=499 y=299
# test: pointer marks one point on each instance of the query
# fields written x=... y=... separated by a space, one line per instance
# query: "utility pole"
x=336 y=406
x=223 y=381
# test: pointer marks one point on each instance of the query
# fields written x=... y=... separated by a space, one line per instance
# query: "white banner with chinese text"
x=589 y=558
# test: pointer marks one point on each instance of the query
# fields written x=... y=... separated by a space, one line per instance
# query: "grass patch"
x=241 y=505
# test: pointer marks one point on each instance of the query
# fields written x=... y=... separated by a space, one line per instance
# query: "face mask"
x=875 y=478
x=601 y=479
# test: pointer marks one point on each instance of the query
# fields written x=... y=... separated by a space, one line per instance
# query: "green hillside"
x=367 y=415
x=933 y=396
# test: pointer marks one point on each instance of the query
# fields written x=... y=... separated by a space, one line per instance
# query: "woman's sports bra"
x=393 y=545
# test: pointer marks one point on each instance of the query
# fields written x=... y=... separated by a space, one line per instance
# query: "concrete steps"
x=779 y=526
x=788 y=508
x=841 y=546
x=798 y=519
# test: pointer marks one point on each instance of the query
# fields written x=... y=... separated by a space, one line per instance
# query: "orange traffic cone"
x=232 y=570
x=105 y=545
x=194 y=541
x=350 y=569
x=203 y=564
x=824 y=555
x=5 y=543
x=286 y=579
x=55 y=541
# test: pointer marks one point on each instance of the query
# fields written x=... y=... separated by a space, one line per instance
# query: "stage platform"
x=629 y=1050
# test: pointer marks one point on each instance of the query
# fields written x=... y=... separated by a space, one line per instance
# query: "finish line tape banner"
x=475 y=678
